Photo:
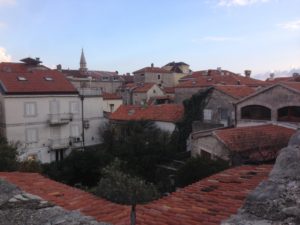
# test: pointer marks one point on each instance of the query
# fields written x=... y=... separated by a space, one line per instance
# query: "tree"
x=198 y=168
x=8 y=156
x=141 y=145
x=79 y=168
x=119 y=187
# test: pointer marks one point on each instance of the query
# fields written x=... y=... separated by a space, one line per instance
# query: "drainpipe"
x=82 y=119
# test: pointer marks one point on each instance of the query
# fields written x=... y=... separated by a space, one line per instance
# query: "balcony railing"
x=64 y=143
x=60 y=118
x=59 y=143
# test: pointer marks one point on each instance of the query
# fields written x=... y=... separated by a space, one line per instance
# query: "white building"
x=41 y=112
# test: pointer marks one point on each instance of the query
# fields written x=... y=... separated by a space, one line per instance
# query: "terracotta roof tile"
x=142 y=88
x=108 y=96
x=199 y=79
x=206 y=202
x=163 y=112
x=236 y=91
x=259 y=141
x=37 y=82
x=151 y=70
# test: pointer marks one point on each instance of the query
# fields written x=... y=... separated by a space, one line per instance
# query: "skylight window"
x=48 y=78
x=20 y=78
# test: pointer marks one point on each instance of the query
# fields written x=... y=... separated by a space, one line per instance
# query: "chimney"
x=272 y=75
x=247 y=73
x=58 y=67
x=296 y=75
x=152 y=65
x=117 y=72
x=219 y=69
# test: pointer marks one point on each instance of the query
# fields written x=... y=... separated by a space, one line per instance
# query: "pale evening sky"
x=126 y=35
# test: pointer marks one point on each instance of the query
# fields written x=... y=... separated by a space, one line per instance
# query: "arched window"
x=256 y=112
x=289 y=114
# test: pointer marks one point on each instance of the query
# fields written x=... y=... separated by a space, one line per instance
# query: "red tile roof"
x=267 y=139
x=207 y=202
x=20 y=67
x=169 y=90
x=283 y=79
x=235 y=91
x=163 y=112
x=151 y=70
x=110 y=96
x=198 y=79
x=143 y=88
x=293 y=85
x=35 y=82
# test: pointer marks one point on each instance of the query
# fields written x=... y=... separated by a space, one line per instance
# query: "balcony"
x=64 y=143
x=60 y=118
x=55 y=144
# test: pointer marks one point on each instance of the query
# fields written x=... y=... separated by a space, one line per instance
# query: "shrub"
x=198 y=168
x=123 y=188
x=8 y=156
x=31 y=166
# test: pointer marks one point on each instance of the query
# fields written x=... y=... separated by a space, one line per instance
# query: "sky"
x=124 y=36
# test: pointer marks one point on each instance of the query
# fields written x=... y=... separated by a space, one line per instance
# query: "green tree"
x=8 y=156
x=142 y=146
x=198 y=168
x=80 y=167
x=119 y=187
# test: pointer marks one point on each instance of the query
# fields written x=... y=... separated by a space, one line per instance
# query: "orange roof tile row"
x=235 y=91
x=142 y=88
x=241 y=139
x=206 y=202
x=110 y=96
x=163 y=112
x=198 y=79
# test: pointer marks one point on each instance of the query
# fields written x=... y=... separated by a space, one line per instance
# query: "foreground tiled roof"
x=151 y=70
x=206 y=202
x=267 y=139
x=163 y=112
x=235 y=91
x=35 y=82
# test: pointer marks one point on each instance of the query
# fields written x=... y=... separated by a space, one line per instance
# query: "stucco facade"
x=48 y=127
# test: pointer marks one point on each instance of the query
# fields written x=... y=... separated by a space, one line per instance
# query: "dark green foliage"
x=8 y=156
x=80 y=167
x=198 y=168
x=30 y=166
x=119 y=187
x=142 y=146
x=193 y=111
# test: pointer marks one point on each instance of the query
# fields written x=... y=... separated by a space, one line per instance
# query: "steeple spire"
x=83 y=67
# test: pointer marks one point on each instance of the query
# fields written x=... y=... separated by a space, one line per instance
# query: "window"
x=30 y=109
x=74 y=107
x=289 y=114
x=48 y=78
x=116 y=78
x=158 y=76
x=256 y=112
x=207 y=114
x=75 y=132
x=20 y=78
x=104 y=78
x=223 y=114
x=154 y=91
x=111 y=106
x=31 y=135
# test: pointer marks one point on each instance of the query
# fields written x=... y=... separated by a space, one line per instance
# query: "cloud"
x=239 y=2
x=217 y=39
x=7 y=2
x=291 y=25
x=4 y=57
